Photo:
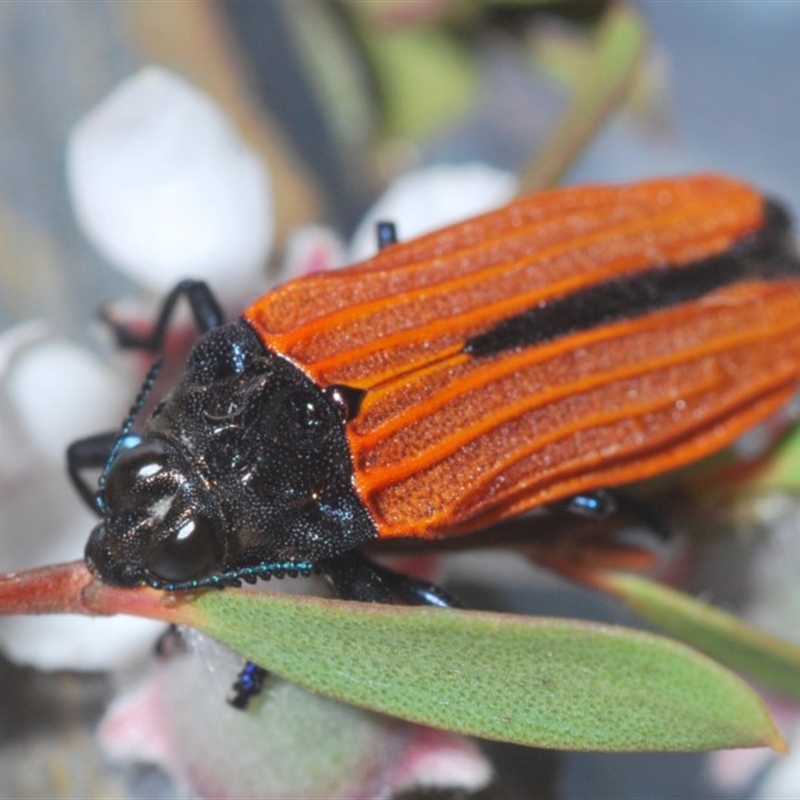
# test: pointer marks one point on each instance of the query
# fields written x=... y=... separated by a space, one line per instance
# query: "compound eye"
x=189 y=553
x=132 y=466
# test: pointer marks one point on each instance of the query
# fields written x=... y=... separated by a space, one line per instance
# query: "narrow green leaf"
x=782 y=466
x=425 y=79
x=605 y=79
x=539 y=682
x=768 y=659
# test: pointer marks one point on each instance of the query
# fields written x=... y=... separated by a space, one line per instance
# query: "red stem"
x=46 y=590
x=71 y=589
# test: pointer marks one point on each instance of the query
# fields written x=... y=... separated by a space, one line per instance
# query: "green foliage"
x=768 y=659
x=605 y=78
x=541 y=682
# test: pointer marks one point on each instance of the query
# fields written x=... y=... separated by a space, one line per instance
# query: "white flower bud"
x=430 y=198
x=165 y=189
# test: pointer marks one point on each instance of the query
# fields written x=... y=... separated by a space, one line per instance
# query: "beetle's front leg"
x=90 y=453
x=206 y=313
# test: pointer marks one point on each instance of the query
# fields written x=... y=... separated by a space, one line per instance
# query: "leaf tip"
x=777 y=742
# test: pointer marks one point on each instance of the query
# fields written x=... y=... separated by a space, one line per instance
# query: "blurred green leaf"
x=781 y=468
x=423 y=77
x=605 y=79
x=768 y=659
x=539 y=682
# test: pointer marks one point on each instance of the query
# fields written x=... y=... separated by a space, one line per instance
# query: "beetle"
x=573 y=341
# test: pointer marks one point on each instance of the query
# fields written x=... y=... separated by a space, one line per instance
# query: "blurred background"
x=340 y=99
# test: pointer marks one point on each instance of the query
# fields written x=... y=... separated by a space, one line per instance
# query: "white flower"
x=165 y=189
x=55 y=392
x=429 y=198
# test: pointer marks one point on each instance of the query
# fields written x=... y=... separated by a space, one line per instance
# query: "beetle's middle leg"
x=355 y=577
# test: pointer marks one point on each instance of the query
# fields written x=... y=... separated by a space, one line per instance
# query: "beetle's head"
x=244 y=471
x=159 y=524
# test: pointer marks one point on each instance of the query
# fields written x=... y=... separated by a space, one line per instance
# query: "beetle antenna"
x=127 y=425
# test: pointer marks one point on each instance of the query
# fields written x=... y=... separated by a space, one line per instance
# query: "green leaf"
x=768 y=659
x=424 y=78
x=539 y=682
x=781 y=468
x=534 y=681
x=605 y=79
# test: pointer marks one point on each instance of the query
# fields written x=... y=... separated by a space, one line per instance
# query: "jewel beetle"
x=573 y=341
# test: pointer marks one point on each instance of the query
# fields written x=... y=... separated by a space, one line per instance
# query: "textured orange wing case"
x=451 y=436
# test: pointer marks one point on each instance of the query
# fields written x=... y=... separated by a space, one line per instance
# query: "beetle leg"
x=89 y=453
x=598 y=504
x=386 y=233
x=206 y=312
x=416 y=592
x=355 y=577
x=249 y=683
x=170 y=643
x=602 y=504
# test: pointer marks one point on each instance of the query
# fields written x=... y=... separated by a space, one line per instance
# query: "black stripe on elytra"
x=767 y=254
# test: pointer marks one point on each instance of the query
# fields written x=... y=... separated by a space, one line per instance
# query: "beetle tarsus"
x=249 y=683
x=386 y=233
x=170 y=643
x=89 y=453
x=602 y=504
x=599 y=504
